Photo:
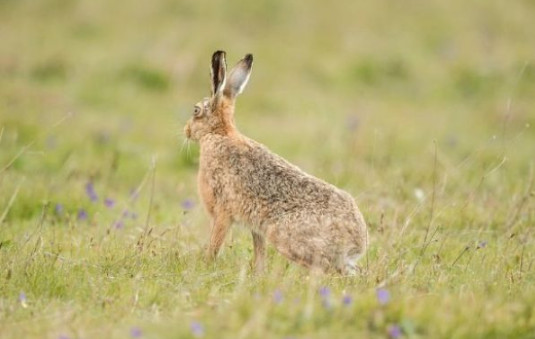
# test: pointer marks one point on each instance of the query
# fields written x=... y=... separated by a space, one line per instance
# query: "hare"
x=306 y=219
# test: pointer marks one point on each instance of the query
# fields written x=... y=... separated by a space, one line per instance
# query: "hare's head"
x=215 y=115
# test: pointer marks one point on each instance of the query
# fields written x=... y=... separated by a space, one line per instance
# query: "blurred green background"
x=379 y=79
x=423 y=110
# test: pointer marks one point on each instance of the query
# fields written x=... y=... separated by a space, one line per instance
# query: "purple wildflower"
x=325 y=292
x=394 y=331
x=63 y=336
x=187 y=204
x=197 y=329
x=118 y=225
x=22 y=299
x=347 y=300
x=128 y=214
x=277 y=296
x=90 y=191
x=82 y=214
x=58 y=209
x=383 y=296
x=109 y=202
x=482 y=244
x=135 y=332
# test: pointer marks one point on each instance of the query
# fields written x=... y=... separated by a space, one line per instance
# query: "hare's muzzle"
x=187 y=131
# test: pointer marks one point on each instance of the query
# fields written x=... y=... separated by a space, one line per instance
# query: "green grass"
x=423 y=111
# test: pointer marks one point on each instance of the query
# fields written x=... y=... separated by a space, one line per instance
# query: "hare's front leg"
x=259 y=243
x=220 y=226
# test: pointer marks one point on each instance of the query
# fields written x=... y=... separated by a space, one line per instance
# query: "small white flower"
x=419 y=194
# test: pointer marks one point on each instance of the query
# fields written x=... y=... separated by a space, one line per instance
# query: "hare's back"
x=268 y=178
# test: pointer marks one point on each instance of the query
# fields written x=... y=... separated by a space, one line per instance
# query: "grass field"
x=424 y=111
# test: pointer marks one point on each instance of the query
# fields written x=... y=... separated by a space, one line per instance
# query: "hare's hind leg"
x=299 y=245
x=220 y=226
x=259 y=243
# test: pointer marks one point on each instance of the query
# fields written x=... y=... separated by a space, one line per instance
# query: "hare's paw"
x=350 y=265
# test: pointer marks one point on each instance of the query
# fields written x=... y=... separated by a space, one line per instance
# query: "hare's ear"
x=218 y=72
x=238 y=77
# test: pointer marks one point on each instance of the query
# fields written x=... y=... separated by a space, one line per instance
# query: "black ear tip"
x=218 y=53
x=248 y=58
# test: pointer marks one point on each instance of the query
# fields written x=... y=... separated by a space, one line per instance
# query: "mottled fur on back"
x=306 y=219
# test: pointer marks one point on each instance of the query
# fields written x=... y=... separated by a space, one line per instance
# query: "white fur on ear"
x=242 y=80
x=222 y=86
x=239 y=76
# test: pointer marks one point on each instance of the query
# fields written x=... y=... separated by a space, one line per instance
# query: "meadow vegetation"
x=423 y=110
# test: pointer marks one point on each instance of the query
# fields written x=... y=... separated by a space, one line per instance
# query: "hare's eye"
x=197 y=111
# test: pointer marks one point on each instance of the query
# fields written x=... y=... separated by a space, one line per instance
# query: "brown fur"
x=306 y=219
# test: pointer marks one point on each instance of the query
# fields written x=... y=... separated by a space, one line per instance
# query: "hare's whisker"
x=184 y=143
x=188 y=153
